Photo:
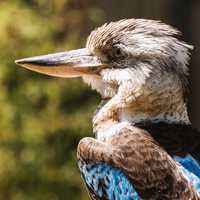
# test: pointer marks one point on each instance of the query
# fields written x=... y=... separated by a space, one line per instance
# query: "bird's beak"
x=68 y=64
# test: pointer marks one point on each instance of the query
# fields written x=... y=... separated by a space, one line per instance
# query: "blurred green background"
x=43 y=118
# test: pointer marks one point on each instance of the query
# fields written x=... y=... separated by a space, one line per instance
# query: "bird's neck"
x=110 y=127
x=178 y=116
x=160 y=99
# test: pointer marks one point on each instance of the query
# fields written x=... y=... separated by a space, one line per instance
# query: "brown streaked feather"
x=154 y=174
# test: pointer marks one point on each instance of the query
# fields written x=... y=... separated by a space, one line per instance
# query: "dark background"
x=43 y=118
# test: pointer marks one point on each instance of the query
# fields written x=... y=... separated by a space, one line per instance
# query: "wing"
x=106 y=183
x=182 y=142
x=148 y=167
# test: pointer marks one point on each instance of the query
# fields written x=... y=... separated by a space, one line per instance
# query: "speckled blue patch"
x=108 y=182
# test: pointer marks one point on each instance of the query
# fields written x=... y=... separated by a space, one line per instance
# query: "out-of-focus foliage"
x=42 y=118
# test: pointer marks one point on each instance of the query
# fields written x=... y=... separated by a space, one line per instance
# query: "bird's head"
x=142 y=57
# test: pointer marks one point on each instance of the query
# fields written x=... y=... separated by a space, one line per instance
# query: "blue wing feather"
x=111 y=183
x=189 y=163
x=191 y=169
x=107 y=182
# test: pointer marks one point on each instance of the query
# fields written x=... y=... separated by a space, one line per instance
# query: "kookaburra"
x=144 y=145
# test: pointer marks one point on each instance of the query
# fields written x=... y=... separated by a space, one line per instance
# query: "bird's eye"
x=117 y=52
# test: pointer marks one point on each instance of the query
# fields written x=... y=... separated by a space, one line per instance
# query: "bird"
x=144 y=145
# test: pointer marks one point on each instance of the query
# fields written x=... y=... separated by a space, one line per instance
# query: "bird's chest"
x=105 y=182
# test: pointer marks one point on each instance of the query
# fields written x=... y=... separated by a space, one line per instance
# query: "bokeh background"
x=43 y=118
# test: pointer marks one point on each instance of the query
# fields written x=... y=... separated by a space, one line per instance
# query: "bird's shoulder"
x=176 y=139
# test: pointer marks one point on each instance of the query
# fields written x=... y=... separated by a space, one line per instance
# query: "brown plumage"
x=154 y=174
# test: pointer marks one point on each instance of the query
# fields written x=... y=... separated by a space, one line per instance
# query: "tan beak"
x=68 y=64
